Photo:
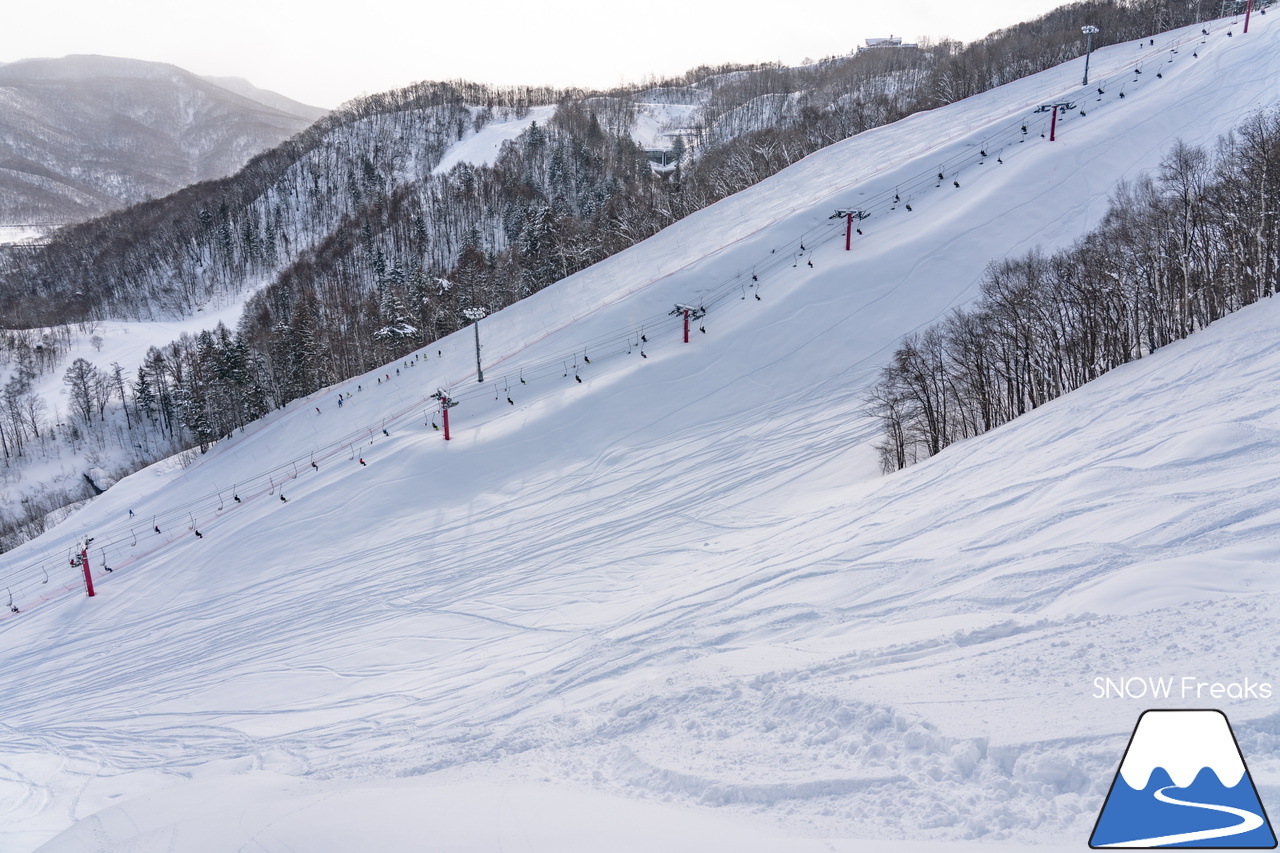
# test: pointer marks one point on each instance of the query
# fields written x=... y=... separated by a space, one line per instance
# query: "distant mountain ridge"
x=84 y=135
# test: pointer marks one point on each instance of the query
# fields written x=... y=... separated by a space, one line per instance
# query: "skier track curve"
x=1248 y=822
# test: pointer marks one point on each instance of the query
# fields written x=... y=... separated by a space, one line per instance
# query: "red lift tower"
x=445 y=405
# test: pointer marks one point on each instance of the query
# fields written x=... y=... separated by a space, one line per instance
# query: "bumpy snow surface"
x=674 y=606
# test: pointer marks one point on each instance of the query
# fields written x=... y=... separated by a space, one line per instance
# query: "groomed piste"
x=656 y=595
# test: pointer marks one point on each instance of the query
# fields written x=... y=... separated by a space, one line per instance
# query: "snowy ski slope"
x=672 y=605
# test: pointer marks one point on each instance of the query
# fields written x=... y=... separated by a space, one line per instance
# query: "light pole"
x=1088 y=33
x=475 y=315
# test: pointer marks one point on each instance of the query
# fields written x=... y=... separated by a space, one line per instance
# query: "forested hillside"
x=84 y=135
x=357 y=247
x=1175 y=252
x=363 y=175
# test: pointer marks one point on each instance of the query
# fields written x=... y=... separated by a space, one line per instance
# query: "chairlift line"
x=812 y=238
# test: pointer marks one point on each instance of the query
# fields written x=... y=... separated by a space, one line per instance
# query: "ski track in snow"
x=681 y=580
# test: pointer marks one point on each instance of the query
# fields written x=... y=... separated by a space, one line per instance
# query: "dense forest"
x=1175 y=252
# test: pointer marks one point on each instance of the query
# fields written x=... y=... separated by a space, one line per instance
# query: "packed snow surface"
x=482 y=147
x=655 y=595
x=21 y=233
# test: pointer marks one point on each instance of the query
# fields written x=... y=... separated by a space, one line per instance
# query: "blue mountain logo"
x=1183 y=783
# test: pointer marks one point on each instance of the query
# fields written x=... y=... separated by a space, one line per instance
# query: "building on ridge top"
x=882 y=43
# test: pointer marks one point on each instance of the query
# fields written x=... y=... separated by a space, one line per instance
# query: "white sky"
x=324 y=53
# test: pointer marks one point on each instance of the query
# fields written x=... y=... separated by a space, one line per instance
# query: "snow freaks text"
x=1177 y=687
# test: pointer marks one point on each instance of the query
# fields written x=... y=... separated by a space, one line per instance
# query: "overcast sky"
x=323 y=53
